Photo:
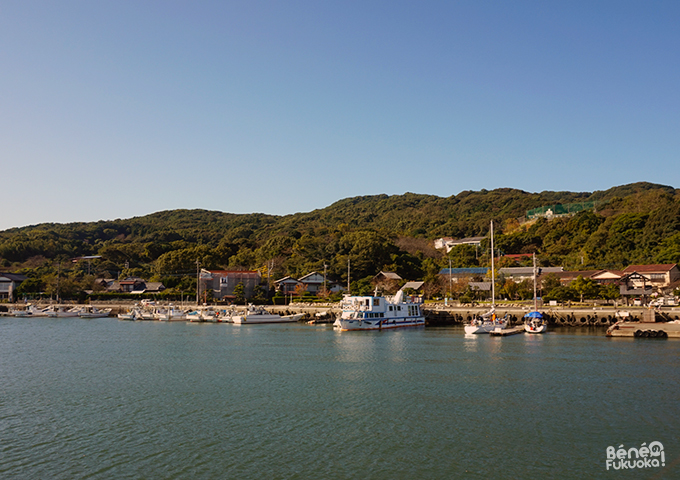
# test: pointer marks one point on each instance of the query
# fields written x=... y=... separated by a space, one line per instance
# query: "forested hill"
x=632 y=223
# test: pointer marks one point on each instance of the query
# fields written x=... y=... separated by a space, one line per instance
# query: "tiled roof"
x=664 y=267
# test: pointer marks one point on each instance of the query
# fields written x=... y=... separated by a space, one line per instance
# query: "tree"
x=549 y=282
x=610 y=292
x=585 y=287
x=240 y=294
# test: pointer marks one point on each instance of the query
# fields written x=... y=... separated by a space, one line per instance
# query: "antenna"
x=493 y=272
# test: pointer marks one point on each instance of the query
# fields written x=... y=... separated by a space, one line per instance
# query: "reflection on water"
x=102 y=399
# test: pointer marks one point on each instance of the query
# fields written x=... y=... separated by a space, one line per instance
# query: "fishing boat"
x=132 y=314
x=94 y=312
x=170 y=314
x=534 y=321
x=488 y=321
x=29 y=311
x=60 y=311
x=256 y=314
x=377 y=313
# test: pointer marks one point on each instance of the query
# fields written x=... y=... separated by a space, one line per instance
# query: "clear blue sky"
x=113 y=109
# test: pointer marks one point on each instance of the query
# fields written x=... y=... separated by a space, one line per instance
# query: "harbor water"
x=103 y=398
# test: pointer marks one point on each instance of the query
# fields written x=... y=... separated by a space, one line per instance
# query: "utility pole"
x=493 y=272
x=324 y=279
x=450 y=279
x=58 y=275
x=198 y=281
x=348 y=291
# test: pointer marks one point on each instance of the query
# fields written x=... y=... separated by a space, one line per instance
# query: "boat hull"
x=260 y=319
x=486 y=327
x=345 y=325
x=535 y=329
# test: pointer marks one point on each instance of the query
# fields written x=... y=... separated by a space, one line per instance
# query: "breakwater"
x=442 y=315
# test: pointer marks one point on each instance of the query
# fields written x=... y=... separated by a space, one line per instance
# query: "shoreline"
x=435 y=314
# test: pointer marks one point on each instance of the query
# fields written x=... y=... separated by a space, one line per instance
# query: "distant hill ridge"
x=639 y=222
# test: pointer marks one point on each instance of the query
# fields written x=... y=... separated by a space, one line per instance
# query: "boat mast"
x=535 y=301
x=493 y=272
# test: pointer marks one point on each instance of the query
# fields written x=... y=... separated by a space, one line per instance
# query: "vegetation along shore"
x=178 y=255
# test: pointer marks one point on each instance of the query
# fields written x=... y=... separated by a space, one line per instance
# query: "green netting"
x=560 y=209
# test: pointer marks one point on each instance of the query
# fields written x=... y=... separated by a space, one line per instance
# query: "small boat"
x=488 y=321
x=170 y=314
x=194 y=316
x=132 y=314
x=60 y=311
x=30 y=311
x=94 y=312
x=256 y=314
x=377 y=313
x=535 y=323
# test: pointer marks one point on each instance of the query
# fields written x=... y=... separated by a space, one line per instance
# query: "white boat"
x=132 y=314
x=194 y=316
x=489 y=321
x=170 y=314
x=94 y=312
x=378 y=313
x=60 y=311
x=29 y=311
x=534 y=321
x=486 y=323
x=255 y=314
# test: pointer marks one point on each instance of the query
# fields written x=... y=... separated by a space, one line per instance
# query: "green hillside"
x=636 y=223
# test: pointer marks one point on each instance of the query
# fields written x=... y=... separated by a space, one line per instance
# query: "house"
x=134 y=285
x=456 y=274
x=441 y=242
x=519 y=274
x=449 y=243
x=8 y=285
x=567 y=277
x=286 y=285
x=386 y=277
x=413 y=285
x=223 y=282
x=313 y=282
x=635 y=285
x=131 y=284
x=606 y=277
x=659 y=276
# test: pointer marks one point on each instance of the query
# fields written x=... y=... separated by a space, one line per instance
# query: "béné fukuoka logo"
x=643 y=457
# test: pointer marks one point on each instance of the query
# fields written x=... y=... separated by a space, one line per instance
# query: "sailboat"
x=488 y=321
x=534 y=321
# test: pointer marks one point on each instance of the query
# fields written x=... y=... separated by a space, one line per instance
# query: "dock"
x=505 y=332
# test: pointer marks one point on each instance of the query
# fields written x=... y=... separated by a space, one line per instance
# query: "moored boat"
x=535 y=323
x=486 y=323
x=256 y=314
x=377 y=313
x=94 y=312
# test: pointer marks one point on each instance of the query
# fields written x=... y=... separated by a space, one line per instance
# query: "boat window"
x=390 y=308
x=376 y=302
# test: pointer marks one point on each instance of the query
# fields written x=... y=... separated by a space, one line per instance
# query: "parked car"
x=663 y=302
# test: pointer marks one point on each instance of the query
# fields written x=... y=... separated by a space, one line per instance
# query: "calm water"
x=108 y=399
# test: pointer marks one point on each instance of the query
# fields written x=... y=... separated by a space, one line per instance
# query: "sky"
x=115 y=109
